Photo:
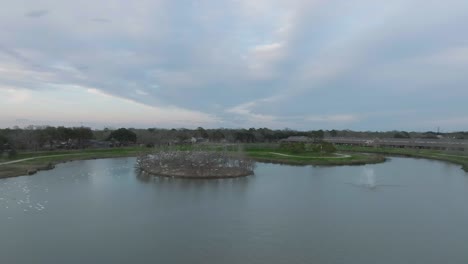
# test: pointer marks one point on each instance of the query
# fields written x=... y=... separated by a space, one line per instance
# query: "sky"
x=298 y=64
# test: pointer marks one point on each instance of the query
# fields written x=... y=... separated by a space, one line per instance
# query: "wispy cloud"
x=93 y=105
x=245 y=112
x=37 y=13
x=101 y=20
x=294 y=63
x=345 y=118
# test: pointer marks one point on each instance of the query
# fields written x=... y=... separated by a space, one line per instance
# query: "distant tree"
x=244 y=136
x=201 y=132
x=293 y=147
x=82 y=134
x=3 y=139
x=182 y=134
x=323 y=146
x=47 y=135
x=430 y=134
x=327 y=147
x=123 y=135
x=402 y=134
x=318 y=134
x=263 y=135
x=65 y=133
x=217 y=135
x=334 y=133
x=3 y=142
x=12 y=153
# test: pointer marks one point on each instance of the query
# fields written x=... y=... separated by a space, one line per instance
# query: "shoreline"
x=23 y=167
x=358 y=156
x=318 y=163
x=32 y=164
x=461 y=160
x=163 y=175
x=337 y=159
x=33 y=169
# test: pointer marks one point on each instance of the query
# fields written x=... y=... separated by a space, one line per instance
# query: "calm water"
x=100 y=211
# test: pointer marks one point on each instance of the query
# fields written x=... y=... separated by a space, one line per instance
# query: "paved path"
x=340 y=156
x=39 y=157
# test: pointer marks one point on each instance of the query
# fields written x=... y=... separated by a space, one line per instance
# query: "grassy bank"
x=459 y=158
x=44 y=160
x=347 y=155
x=276 y=155
x=272 y=153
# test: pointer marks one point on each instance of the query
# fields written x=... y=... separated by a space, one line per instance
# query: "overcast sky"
x=312 y=64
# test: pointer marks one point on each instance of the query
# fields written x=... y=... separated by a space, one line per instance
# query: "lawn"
x=460 y=158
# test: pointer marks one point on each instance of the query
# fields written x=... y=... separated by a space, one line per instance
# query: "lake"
x=101 y=211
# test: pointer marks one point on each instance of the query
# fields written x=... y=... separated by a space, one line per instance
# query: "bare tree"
x=196 y=164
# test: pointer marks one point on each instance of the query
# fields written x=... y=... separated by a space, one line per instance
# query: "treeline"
x=47 y=137
x=34 y=138
x=159 y=136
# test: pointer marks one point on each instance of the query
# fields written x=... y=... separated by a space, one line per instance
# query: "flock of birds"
x=23 y=196
x=16 y=195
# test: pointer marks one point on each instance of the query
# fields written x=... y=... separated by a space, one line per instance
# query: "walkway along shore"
x=38 y=157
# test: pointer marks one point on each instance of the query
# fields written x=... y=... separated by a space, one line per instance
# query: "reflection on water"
x=237 y=185
x=102 y=211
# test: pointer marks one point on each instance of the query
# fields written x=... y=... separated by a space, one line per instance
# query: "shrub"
x=325 y=147
x=123 y=135
x=12 y=153
x=293 y=147
x=328 y=147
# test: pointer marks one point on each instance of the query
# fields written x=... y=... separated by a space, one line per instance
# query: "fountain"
x=369 y=178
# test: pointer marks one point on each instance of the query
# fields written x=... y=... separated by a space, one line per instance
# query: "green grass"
x=267 y=153
x=460 y=158
x=314 y=158
x=44 y=162
x=259 y=152
x=30 y=154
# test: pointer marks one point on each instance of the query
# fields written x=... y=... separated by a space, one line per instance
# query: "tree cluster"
x=293 y=147
x=301 y=147
x=123 y=135
x=45 y=137
x=35 y=138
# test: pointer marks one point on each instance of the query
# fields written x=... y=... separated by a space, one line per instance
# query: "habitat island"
x=196 y=164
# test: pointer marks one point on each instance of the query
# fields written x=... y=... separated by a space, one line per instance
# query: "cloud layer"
x=367 y=65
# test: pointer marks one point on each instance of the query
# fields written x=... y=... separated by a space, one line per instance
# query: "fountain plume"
x=369 y=178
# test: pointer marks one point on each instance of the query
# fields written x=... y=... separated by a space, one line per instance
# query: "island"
x=196 y=164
